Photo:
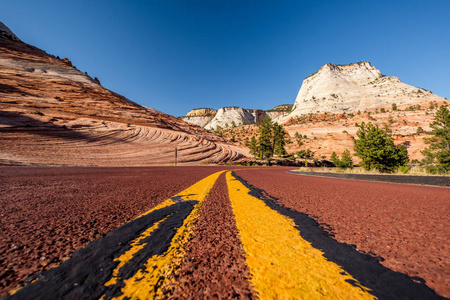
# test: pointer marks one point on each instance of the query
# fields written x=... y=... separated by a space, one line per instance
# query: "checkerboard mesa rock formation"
x=52 y=113
x=357 y=86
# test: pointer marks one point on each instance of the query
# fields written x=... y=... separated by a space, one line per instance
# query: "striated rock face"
x=200 y=116
x=51 y=113
x=240 y=116
x=353 y=87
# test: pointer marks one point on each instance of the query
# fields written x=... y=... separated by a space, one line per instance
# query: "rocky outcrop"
x=279 y=111
x=202 y=112
x=7 y=33
x=51 y=113
x=227 y=116
x=200 y=116
x=210 y=118
x=353 y=87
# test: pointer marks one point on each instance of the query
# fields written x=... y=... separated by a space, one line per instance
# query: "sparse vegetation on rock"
x=305 y=154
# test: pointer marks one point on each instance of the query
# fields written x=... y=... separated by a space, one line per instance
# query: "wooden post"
x=176 y=155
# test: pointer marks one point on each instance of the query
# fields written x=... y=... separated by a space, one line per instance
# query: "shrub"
x=404 y=169
x=298 y=138
x=305 y=153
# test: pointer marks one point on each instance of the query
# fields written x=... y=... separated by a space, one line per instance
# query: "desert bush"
x=305 y=153
x=404 y=169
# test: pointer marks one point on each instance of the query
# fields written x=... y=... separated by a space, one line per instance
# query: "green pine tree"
x=265 y=141
x=437 y=155
x=376 y=149
x=279 y=139
x=335 y=159
x=346 y=160
x=253 y=146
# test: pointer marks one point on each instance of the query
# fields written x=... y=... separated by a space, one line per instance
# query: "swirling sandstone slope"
x=51 y=113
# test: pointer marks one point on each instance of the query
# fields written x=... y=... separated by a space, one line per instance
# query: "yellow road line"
x=282 y=264
x=136 y=246
x=149 y=283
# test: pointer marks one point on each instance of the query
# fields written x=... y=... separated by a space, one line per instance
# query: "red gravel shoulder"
x=407 y=225
x=48 y=213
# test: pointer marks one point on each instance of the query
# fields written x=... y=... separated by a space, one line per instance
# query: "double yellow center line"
x=282 y=264
x=139 y=259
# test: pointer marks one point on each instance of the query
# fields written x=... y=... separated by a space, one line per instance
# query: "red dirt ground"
x=407 y=225
x=48 y=213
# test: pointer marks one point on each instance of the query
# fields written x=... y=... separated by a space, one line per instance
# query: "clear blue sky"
x=175 y=55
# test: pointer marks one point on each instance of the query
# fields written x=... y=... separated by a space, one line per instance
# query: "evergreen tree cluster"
x=271 y=140
x=375 y=146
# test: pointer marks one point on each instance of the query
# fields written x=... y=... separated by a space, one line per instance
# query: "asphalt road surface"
x=218 y=232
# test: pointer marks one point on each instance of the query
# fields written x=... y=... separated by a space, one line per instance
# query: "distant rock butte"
x=53 y=114
x=202 y=112
x=226 y=116
x=353 y=87
x=200 y=116
x=240 y=116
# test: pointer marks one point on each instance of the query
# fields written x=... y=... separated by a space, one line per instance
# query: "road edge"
x=440 y=181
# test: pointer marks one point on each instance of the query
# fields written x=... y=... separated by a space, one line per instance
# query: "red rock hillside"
x=53 y=114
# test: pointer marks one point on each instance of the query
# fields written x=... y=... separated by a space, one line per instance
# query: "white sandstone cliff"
x=240 y=116
x=353 y=87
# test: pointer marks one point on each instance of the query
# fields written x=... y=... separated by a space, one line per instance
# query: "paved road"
x=224 y=236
